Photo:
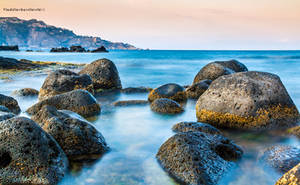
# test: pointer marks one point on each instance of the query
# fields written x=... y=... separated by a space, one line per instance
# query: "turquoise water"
x=135 y=133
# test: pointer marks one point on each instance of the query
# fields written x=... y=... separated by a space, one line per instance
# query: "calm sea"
x=135 y=133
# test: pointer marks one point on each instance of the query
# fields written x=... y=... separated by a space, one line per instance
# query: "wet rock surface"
x=195 y=127
x=291 y=177
x=130 y=103
x=62 y=81
x=247 y=100
x=104 y=74
x=171 y=91
x=6 y=115
x=28 y=155
x=166 y=106
x=78 y=138
x=26 y=92
x=281 y=158
x=79 y=101
x=197 y=157
x=294 y=131
x=197 y=89
x=10 y=103
x=216 y=69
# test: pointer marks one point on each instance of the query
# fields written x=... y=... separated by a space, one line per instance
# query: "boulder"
x=197 y=157
x=216 y=69
x=78 y=138
x=281 y=158
x=10 y=103
x=134 y=90
x=28 y=155
x=79 y=101
x=171 y=91
x=247 y=100
x=166 y=106
x=195 y=127
x=104 y=74
x=4 y=109
x=197 y=89
x=26 y=92
x=291 y=177
x=130 y=102
x=62 y=81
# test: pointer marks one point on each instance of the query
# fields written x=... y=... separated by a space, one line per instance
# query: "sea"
x=135 y=133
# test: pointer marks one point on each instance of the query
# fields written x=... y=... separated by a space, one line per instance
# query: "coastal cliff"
x=35 y=34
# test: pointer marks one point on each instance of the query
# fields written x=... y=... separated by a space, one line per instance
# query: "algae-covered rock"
x=171 y=91
x=216 y=69
x=62 y=81
x=281 y=158
x=197 y=157
x=195 y=127
x=28 y=155
x=291 y=177
x=26 y=92
x=104 y=74
x=10 y=103
x=294 y=131
x=79 y=101
x=166 y=106
x=78 y=138
x=247 y=100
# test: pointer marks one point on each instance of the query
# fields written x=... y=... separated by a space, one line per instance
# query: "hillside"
x=34 y=34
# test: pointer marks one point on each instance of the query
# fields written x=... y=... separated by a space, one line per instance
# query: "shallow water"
x=135 y=133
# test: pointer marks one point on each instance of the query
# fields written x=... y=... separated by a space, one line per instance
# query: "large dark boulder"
x=197 y=89
x=26 y=92
x=104 y=74
x=28 y=155
x=247 y=100
x=216 y=69
x=10 y=103
x=198 y=158
x=171 y=91
x=79 y=101
x=78 y=138
x=291 y=177
x=195 y=127
x=62 y=81
x=166 y=106
x=281 y=158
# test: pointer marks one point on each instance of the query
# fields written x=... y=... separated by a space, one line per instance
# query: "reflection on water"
x=135 y=133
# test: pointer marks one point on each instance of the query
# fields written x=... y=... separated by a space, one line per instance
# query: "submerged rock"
x=10 y=103
x=216 y=69
x=133 y=90
x=28 y=155
x=195 y=127
x=197 y=89
x=130 y=102
x=166 y=106
x=79 y=101
x=294 y=131
x=197 y=157
x=26 y=92
x=62 y=81
x=104 y=74
x=291 y=177
x=247 y=100
x=171 y=91
x=78 y=138
x=281 y=158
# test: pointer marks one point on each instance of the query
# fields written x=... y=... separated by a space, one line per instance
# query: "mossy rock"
x=291 y=177
x=196 y=90
x=10 y=103
x=166 y=106
x=171 y=91
x=247 y=100
x=26 y=92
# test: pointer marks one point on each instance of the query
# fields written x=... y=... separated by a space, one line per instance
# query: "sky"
x=174 y=24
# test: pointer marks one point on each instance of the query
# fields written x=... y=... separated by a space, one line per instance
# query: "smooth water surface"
x=136 y=133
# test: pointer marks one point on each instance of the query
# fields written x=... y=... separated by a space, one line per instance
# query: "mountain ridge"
x=36 y=34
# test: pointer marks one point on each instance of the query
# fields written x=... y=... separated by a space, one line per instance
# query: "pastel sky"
x=174 y=24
